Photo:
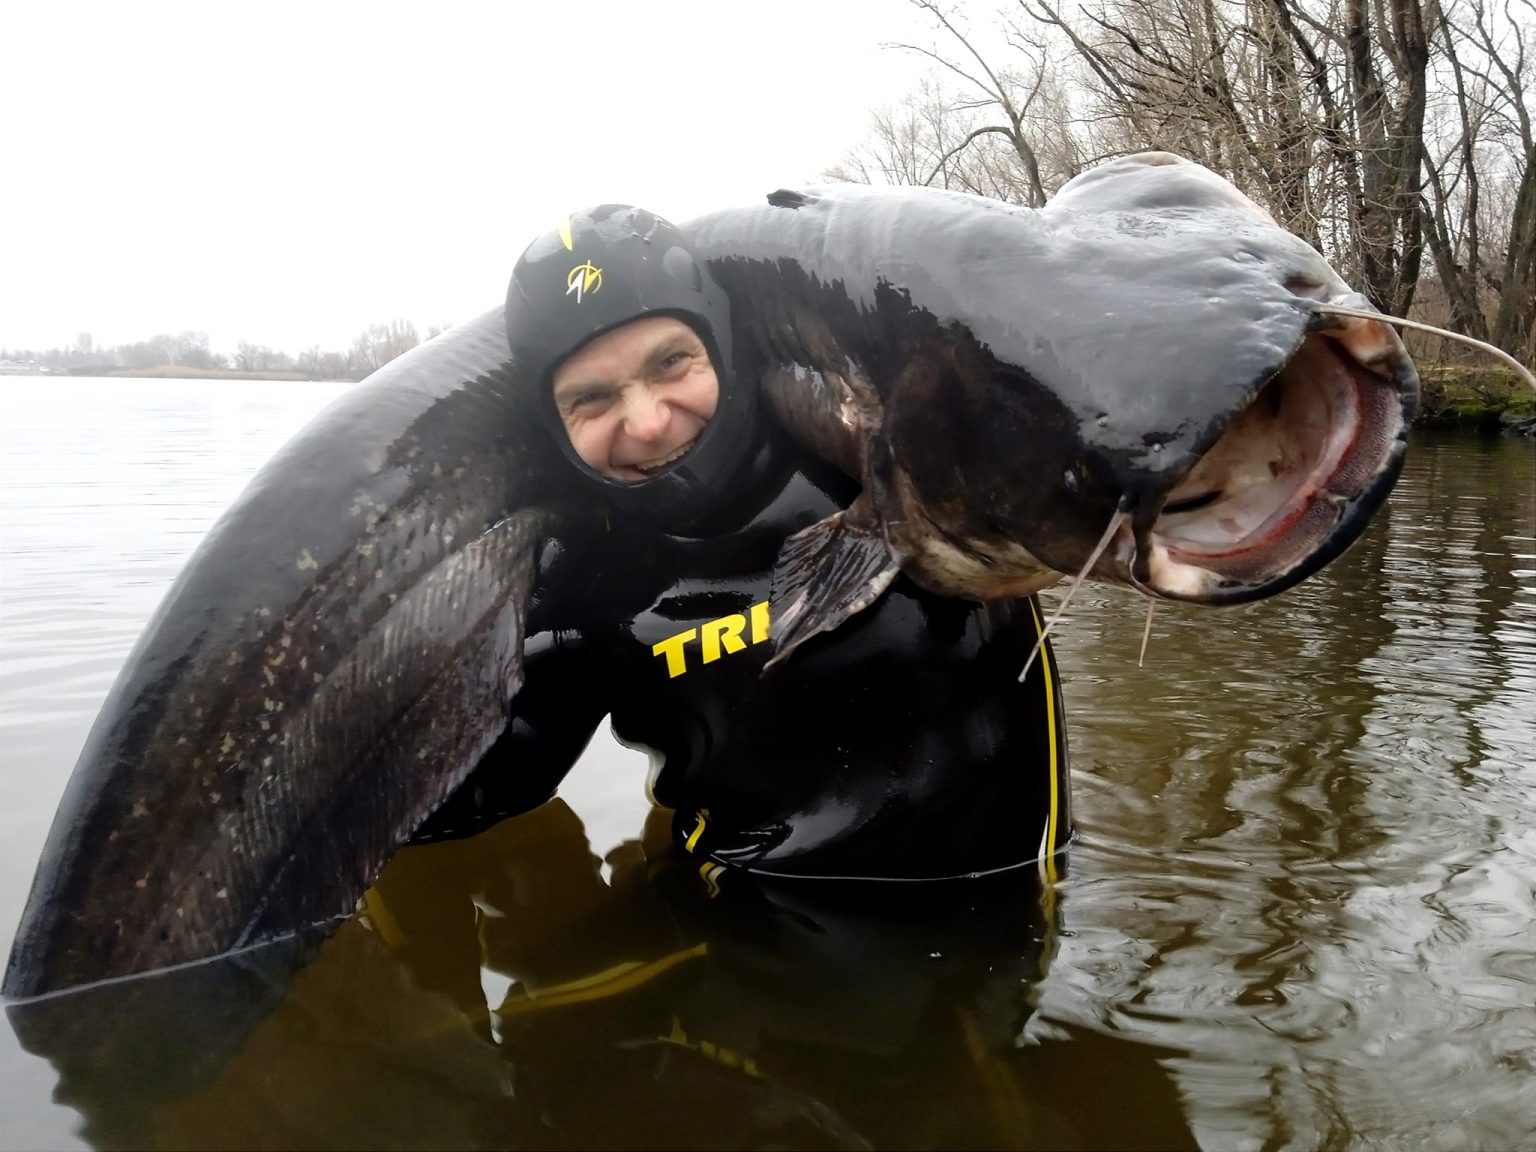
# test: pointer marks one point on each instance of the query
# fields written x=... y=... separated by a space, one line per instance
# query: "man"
x=899 y=747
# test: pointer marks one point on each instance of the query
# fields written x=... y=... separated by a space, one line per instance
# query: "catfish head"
x=1276 y=426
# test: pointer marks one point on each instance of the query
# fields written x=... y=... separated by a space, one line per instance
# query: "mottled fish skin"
x=336 y=655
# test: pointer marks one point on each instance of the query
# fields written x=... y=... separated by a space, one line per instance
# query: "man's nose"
x=645 y=415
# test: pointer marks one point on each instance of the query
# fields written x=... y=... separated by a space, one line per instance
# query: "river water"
x=1301 y=911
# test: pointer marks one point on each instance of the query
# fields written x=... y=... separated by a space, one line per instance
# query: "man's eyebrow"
x=578 y=388
x=675 y=342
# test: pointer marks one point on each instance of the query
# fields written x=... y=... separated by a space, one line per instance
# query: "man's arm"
x=553 y=719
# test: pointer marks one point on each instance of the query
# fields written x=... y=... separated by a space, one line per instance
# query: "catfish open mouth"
x=1295 y=477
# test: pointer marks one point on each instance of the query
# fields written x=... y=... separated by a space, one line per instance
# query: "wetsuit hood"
x=602 y=268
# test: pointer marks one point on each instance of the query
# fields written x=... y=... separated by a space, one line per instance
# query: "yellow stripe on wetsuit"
x=698 y=829
x=1053 y=818
x=610 y=982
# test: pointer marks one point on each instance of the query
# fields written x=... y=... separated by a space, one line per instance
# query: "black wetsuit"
x=901 y=746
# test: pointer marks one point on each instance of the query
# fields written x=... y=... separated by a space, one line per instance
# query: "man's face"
x=634 y=399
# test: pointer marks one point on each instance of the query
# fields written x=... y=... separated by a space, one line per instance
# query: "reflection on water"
x=1298 y=915
x=1307 y=854
x=498 y=992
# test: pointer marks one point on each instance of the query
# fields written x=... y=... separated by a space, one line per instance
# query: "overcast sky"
x=289 y=173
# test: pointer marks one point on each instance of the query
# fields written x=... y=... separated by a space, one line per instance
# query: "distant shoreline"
x=1454 y=397
x=182 y=372
x=170 y=372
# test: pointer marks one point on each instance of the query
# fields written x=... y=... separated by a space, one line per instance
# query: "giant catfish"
x=1142 y=378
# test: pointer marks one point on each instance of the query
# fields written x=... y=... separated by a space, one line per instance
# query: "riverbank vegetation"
x=1397 y=139
x=1476 y=399
x=188 y=355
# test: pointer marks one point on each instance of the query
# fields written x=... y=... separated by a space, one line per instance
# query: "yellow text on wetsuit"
x=715 y=638
x=712 y=1050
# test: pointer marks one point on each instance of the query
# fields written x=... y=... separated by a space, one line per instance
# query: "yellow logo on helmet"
x=565 y=235
x=582 y=279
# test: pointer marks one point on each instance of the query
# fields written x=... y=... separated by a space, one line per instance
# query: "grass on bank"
x=1481 y=398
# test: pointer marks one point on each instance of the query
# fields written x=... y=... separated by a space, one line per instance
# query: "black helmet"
x=605 y=267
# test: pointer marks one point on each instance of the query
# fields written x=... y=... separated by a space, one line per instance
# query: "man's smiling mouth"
x=651 y=467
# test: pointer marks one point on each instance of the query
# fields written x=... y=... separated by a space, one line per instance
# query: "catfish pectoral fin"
x=825 y=574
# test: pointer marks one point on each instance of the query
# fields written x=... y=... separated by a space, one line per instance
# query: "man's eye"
x=673 y=360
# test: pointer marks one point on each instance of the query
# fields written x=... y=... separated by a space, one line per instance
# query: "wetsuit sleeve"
x=553 y=719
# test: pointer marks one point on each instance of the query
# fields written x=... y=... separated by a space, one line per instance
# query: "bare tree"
x=1316 y=111
x=1382 y=131
x=930 y=138
x=253 y=357
x=367 y=350
x=1452 y=194
x=192 y=351
x=974 y=127
x=1505 y=42
x=378 y=344
x=310 y=362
